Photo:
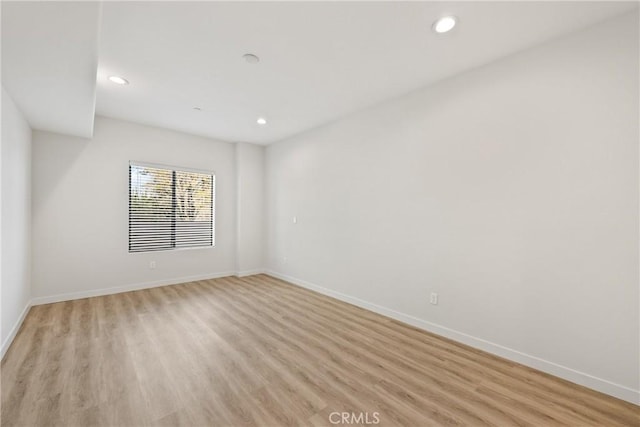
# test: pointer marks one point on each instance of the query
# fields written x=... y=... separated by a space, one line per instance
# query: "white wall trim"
x=581 y=378
x=14 y=331
x=126 y=288
x=249 y=272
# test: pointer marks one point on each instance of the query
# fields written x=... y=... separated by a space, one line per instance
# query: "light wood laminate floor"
x=259 y=351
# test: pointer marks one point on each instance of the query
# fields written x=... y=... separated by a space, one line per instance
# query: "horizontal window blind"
x=170 y=208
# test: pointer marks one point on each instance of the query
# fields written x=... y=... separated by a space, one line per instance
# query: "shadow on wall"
x=60 y=159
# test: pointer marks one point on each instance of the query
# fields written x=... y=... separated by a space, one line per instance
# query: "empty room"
x=329 y=213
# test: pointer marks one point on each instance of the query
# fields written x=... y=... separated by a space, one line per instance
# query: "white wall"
x=510 y=190
x=250 y=208
x=80 y=202
x=15 y=153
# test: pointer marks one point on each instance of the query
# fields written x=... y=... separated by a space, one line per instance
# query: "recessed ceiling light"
x=261 y=121
x=197 y=108
x=251 y=58
x=119 y=80
x=445 y=24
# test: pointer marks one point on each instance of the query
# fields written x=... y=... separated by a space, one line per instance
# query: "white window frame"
x=177 y=169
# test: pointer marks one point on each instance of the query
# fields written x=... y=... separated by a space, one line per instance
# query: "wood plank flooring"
x=259 y=351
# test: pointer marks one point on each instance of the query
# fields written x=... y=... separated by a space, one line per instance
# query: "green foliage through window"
x=169 y=208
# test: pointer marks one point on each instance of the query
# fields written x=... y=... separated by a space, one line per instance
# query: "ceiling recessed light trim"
x=261 y=121
x=251 y=58
x=119 y=80
x=445 y=24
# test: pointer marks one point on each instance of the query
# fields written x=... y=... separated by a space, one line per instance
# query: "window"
x=170 y=208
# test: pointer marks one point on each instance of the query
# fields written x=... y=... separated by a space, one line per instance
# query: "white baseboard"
x=14 y=331
x=126 y=288
x=581 y=378
x=249 y=272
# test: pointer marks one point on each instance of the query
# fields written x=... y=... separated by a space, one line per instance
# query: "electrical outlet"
x=295 y=219
x=284 y=259
x=433 y=298
x=152 y=265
